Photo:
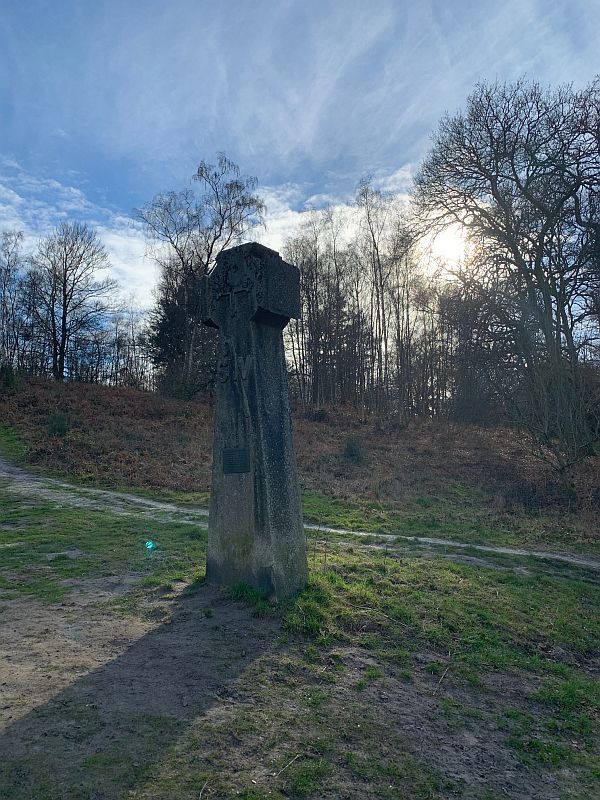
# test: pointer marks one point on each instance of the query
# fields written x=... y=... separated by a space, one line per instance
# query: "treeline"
x=378 y=329
x=511 y=330
x=508 y=330
x=59 y=316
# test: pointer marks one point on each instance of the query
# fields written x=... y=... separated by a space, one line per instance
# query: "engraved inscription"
x=224 y=367
x=237 y=278
x=236 y=460
x=244 y=365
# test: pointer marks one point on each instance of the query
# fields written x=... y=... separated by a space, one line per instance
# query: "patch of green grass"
x=436 y=667
x=244 y=593
x=569 y=736
x=258 y=600
x=317 y=698
x=12 y=446
x=370 y=674
x=459 y=513
x=306 y=775
x=526 y=738
x=258 y=794
x=308 y=613
x=45 y=548
x=403 y=776
x=575 y=693
x=486 y=619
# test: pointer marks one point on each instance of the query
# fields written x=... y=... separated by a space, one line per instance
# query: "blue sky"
x=105 y=102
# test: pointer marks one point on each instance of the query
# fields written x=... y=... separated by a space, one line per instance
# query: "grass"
x=377 y=641
x=572 y=695
x=44 y=547
x=454 y=517
x=483 y=623
x=458 y=513
x=199 y=499
x=431 y=478
x=12 y=444
x=365 y=626
x=486 y=619
x=450 y=509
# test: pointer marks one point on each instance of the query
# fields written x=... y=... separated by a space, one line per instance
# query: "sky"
x=104 y=103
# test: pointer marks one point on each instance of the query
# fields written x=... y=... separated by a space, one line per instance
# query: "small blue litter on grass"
x=150 y=545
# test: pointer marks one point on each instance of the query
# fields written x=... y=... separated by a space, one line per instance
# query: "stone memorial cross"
x=255 y=531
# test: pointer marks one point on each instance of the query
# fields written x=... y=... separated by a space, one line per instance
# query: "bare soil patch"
x=99 y=702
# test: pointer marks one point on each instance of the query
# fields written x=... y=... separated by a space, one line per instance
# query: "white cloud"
x=36 y=205
x=136 y=273
x=284 y=214
x=398 y=182
x=287 y=213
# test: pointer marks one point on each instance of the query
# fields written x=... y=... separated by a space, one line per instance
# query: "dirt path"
x=20 y=481
x=56 y=491
x=428 y=541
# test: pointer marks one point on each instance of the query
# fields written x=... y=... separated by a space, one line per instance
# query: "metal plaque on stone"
x=236 y=460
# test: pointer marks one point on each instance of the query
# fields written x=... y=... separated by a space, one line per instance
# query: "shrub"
x=58 y=424
x=7 y=378
x=353 y=450
x=317 y=415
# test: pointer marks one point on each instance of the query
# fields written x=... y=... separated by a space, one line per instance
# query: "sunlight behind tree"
x=449 y=246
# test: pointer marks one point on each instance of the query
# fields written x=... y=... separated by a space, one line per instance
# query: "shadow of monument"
x=97 y=738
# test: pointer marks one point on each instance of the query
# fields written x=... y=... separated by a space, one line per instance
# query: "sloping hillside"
x=445 y=475
x=140 y=439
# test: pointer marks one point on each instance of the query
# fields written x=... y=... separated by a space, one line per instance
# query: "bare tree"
x=11 y=261
x=70 y=292
x=376 y=210
x=187 y=231
x=520 y=169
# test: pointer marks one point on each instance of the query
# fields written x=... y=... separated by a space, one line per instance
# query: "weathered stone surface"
x=255 y=525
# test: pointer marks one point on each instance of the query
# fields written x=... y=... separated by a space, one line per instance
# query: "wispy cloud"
x=104 y=104
x=297 y=90
x=36 y=206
